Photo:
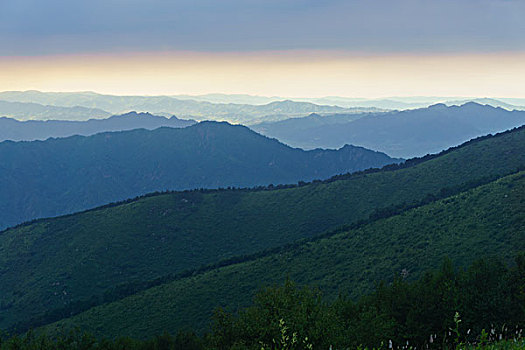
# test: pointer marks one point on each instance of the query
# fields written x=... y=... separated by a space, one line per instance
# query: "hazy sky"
x=272 y=47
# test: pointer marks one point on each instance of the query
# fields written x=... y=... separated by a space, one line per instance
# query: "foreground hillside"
x=447 y=308
x=406 y=134
x=14 y=130
x=487 y=220
x=61 y=176
x=54 y=263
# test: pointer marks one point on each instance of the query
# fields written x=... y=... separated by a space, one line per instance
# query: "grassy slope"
x=483 y=221
x=52 y=262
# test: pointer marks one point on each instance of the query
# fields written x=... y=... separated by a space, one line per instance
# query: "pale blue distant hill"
x=387 y=103
x=37 y=111
x=403 y=134
x=168 y=105
x=14 y=130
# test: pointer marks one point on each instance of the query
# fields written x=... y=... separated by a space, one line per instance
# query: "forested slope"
x=487 y=220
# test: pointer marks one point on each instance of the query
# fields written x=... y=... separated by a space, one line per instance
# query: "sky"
x=305 y=48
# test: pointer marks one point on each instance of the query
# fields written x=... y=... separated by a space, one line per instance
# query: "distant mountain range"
x=485 y=101
x=389 y=103
x=166 y=105
x=14 y=130
x=60 y=176
x=236 y=108
x=57 y=267
x=403 y=134
x=402 y=103
x=30 y=110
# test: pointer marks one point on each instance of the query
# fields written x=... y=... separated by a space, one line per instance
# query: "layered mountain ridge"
x=410 y=133
x=64 y=175
x=52 y=263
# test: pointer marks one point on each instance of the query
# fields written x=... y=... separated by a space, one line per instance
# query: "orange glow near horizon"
x=287 y=73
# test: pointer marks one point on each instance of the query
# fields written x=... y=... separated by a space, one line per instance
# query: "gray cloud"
x=70 y=26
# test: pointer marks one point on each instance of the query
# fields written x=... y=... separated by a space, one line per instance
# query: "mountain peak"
x=135 y=114
x=472 y=104
x=314 y=115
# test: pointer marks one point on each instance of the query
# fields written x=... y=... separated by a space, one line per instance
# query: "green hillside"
x=487 y=220
x=51 y=263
